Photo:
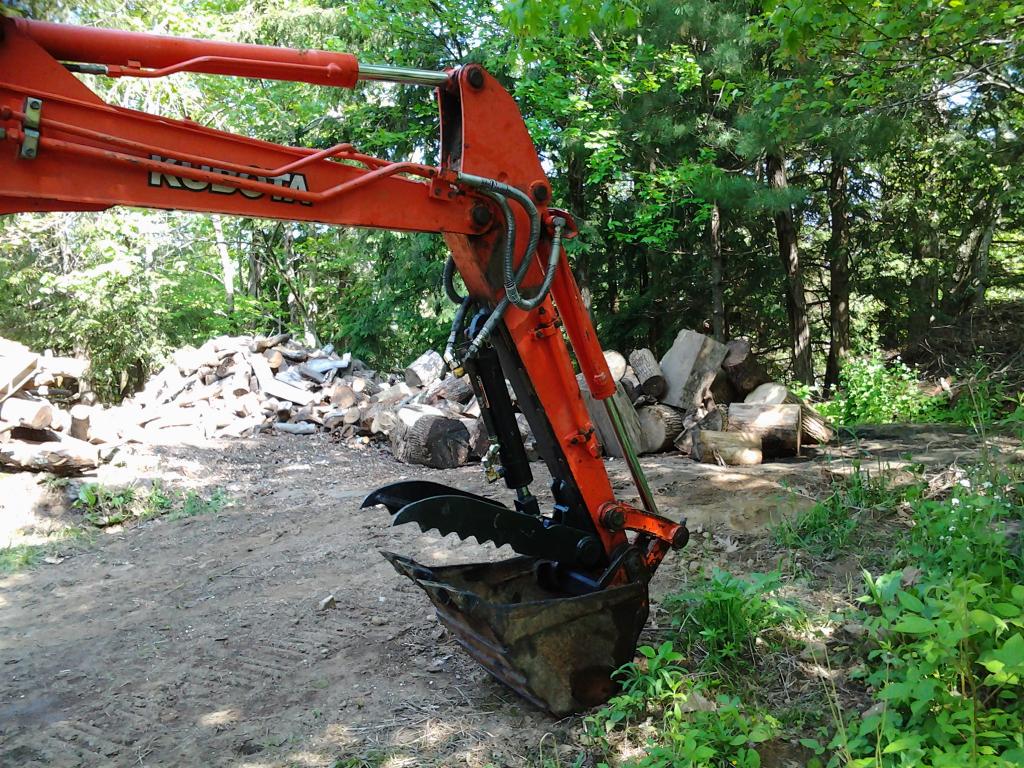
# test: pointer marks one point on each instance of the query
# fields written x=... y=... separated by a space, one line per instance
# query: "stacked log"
x=708 y=399
x=692 y=399
x=36 y=431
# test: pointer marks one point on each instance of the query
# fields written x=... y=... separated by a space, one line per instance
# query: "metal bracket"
x=30 y=144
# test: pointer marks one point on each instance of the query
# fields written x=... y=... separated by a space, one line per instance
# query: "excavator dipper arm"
x=531 y=621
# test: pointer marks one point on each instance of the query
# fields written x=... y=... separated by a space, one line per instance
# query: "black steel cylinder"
x=500 y=417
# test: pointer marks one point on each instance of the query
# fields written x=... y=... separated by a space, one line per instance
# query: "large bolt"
x=681 y=536
x=613 y=519
x=540 y=191
x=481 y=215
x=475 y=77
x=34 y=103
x=588 y=551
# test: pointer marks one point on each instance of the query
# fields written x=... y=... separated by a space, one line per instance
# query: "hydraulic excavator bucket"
x=554 y=640
x=555 y=649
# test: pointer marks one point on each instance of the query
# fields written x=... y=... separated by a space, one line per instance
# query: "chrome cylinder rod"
x=629 y=451
x=403 y=75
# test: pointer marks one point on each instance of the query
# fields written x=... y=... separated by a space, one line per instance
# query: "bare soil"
x=200 y=641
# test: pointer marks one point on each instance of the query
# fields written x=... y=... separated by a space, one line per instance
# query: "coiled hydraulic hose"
x=500 y=192
x=503 y=305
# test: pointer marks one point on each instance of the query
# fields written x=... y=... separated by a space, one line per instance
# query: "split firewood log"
x=814 y=426
x=744 y=370
x=274 y=358
x=424 y=369
x=648 y=372
x=454 y=389
x=364 y=385
x=729 y=448
x=293 y=354
x=25 y=412
x=17 y=366
x=661 y=425
x=693 y=423
x=778 y=426
x=65 y=367
x=66 y=456
x=343 y=396
x=689 y=367
x=80 y=416
x=262 y=343
x=299 y=428
x=281 y=390
x=616 y=364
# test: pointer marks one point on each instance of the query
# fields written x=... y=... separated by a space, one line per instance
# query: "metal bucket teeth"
x=398 y=495
x=556 y=650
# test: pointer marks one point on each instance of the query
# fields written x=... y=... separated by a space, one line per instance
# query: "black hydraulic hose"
x=503 y=305
x=512 y=276
x=460 y=316
x=449 y=281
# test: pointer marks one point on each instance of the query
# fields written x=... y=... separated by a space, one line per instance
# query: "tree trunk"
x=789 y=253
x=838 y=257
x=717 y=273
x=227 y=265
x=973 y=257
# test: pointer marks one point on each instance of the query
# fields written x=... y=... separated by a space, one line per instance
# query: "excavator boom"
x=584 y=564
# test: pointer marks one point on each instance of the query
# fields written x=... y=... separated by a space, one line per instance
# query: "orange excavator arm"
x=63 y=148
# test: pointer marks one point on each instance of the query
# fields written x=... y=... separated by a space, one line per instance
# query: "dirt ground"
x=199 y=641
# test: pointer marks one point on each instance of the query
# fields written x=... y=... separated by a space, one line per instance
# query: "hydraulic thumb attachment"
x=553 y=623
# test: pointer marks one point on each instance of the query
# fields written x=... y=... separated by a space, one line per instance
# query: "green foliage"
x=102 y=506
x=946 y=653
x=720 y=620
x=18 y=556
x=873 y=391
x=827 y=528
x=682 y=727
x=193 y=503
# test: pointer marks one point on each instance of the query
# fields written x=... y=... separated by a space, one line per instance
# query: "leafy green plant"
x=104 y=506
x=721 y=619
x=945 y=661
x=682 y=725
x=873 y=391
x=195 y=504
x=20 y=556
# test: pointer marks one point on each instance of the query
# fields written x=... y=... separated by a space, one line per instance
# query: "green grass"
x=103 y=507
x=829 y=528
x=20 y=556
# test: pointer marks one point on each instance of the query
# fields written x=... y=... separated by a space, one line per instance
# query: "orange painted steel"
x=92 y=155
x=134 y=52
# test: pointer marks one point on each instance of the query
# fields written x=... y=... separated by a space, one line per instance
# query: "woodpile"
x=711 y=401
x=36 y=431
x=238 y=387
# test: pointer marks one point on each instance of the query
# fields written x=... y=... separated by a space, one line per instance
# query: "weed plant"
x=720 y=620
x=102 y=507
x=828 y=528
x=945 y=656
